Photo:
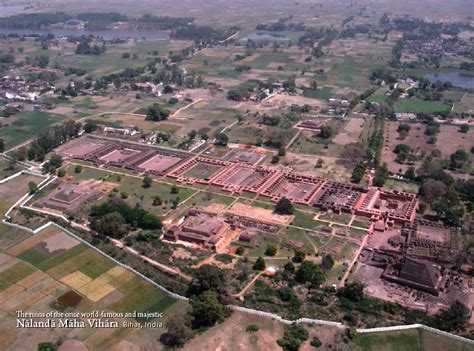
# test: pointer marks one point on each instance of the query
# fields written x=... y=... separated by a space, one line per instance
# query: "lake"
x=264 y=36
x=104 y=33
x=457 y=79
x=11 y=9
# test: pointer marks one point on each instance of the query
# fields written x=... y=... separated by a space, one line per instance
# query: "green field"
x=14 y=274
x=26 y=126
x=420 y=106
x=377 y=98
x=408 y=340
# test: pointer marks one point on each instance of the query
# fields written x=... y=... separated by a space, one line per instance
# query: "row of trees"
x=51 y=138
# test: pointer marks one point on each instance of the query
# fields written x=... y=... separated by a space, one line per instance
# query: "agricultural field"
x=26 y=125
x=54 y=271
x=420 y=106
x=420 y=144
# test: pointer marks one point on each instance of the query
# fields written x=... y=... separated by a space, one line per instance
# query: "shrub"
x=252 y=328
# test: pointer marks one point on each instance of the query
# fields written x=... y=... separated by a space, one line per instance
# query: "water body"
x=8 y=10
x=265 y=36
x=457 y=79
x=104 y=33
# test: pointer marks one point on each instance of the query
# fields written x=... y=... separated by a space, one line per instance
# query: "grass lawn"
x=27 y=126
x=305 y=220
x=408 y=340
x=377 y=98
x=324 y=93
x=418 y=106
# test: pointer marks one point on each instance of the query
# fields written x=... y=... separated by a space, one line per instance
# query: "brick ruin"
x=443 y=246
x=414 y=256
x=70 y=198
x=243 y=156
x=138 y=158
x=213 y=231
x=381 y=205
x=207 y=230
x=297 y=188
x=311 y=124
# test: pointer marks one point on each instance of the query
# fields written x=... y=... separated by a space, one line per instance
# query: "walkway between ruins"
x=354 y=260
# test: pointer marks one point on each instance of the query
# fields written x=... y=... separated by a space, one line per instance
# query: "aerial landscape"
x=237 y=175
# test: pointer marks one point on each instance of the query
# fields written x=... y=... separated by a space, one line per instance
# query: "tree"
x=403 y=128
x=147 y=181
x=111 y=224
x=157 y=113
x=221 y=139
x=410 y=173
x=208 y=277
x=240 y=250
x=2 y=145
x=299 y=256
x=61 y=173
x=351 y=333
x=56 y=161
x=464 y=128
x=289 y=267
x=275 y=159
x=47 y=346
x=455 y=318
x=326 y=132
x=157 y=201
x=284 y=207
x=358 y=172
x=381 y=175
x=327 y=263
x=90 y=126
x=206 y=310
x=178 y=331
x=32 y=188
x=281 y=152
x=401 y=148
x=432 y=190
x=319 y=163
x=259 y=265
x=271 y=250
x=459 y=158
x=174 y=189
x=309 y=272
x=352 y=291
x=78 y=169
x=251 y=328
x=294 y=335
x=315 y=342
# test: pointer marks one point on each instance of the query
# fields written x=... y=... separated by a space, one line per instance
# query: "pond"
x=457 y=79
x=255 y=36
x=104 y=33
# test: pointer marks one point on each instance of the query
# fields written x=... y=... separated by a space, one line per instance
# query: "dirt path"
x=159 y=265
x=241 y=294
x=184 y=108
x=294 y=138
x=354 y=260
